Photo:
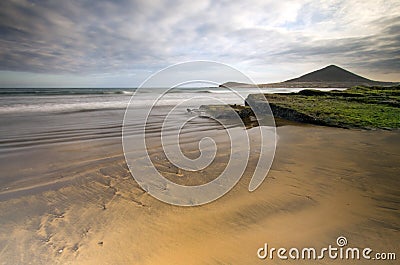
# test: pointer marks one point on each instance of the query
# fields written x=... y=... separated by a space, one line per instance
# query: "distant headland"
x=331 y=76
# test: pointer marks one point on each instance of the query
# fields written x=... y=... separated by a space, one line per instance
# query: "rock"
x=226 y=111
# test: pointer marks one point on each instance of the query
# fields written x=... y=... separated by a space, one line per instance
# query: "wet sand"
x=324 y=183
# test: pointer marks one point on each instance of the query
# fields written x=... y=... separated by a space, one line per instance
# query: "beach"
x=199 y=132
x=67 y=196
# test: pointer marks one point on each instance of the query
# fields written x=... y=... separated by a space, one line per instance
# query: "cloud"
x=93 y=37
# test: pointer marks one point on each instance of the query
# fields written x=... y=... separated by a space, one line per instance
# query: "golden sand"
x=324 y=183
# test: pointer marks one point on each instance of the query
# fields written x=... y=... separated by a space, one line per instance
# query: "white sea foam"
x=74 y=100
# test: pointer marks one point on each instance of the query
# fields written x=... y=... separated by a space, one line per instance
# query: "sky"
x=98 y=43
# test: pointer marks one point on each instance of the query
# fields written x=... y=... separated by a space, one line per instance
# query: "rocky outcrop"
x=226 y=111
x=259 y=104
x=293 y=115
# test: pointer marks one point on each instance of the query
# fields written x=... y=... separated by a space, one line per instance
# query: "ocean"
x=61 y=100
x=38 y=124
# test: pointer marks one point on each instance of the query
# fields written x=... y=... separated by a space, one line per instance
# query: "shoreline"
x=329 y=180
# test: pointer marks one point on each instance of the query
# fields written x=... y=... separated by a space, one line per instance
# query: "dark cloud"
x=72 y=36
x=380 y=51
x=84 y=37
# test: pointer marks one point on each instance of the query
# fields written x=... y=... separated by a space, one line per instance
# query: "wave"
x=67 y=107
x=108 y=91
x=199 y=91
x=63 y=92
x=124 y=92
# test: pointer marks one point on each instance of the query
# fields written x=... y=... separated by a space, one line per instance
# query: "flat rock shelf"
x=358 y=107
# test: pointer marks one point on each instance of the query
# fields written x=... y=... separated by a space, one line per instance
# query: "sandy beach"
x=324 y=183
x=199 y=132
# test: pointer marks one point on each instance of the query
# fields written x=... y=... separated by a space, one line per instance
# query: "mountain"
x=331 y=73
x=331 y=76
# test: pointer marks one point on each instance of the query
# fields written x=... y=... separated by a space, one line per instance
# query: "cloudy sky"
x=119 y=43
